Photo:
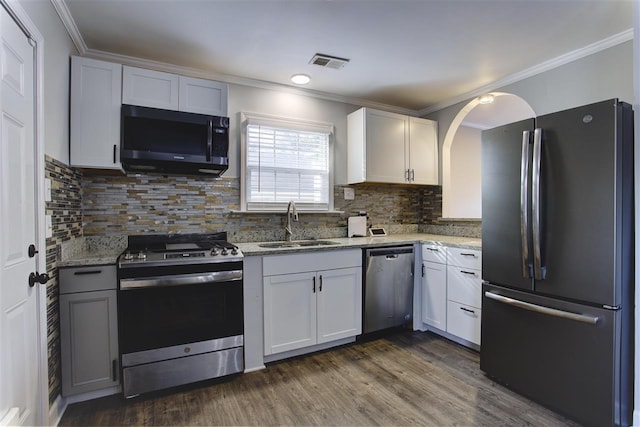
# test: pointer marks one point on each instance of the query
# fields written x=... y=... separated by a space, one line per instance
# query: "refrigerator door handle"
x=524 y=204
x=592 y=320
x=538 y=269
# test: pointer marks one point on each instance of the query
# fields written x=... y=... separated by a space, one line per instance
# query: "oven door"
x=157 y=309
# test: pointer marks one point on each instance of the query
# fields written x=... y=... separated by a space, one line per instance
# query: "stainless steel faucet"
x=291 y=212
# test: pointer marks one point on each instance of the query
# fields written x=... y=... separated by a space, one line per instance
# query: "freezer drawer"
x=564 y=355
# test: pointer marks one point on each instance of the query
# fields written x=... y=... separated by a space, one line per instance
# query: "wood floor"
x=408 y=378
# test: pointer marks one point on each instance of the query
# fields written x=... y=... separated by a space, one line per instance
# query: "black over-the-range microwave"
x=153 y=139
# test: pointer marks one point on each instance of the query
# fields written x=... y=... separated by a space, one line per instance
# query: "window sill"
x=262 y=212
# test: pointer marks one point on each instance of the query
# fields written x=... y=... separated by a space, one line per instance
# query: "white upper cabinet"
x=422 y=155
x=149 y=88
x=95 y=113
x=203 y=96
x=391 y=148
x=168 y=91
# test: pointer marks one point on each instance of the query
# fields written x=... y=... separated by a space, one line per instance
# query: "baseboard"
x=306 y=350
x=254 y=369
x=93 y=394
x=56 y=410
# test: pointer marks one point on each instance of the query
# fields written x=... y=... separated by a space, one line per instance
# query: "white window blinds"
x=286 y=160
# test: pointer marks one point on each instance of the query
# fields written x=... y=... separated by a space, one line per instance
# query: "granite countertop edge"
x=108 y=256
x=254 y=248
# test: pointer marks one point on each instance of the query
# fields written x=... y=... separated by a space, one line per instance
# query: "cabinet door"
x=203 y=96
x=386 y=134
x=149 y=88
x=89 y=339
x=95 y=113
x=434 y=295
x=289 y=312
x=422 y=151
x=339 y=304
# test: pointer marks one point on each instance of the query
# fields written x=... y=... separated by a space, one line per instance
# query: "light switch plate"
x=349 y=194
x=47 y=190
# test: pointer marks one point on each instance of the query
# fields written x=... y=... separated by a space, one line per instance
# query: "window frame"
x=295 y=124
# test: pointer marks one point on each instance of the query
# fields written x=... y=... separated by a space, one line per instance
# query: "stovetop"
x=169 y=249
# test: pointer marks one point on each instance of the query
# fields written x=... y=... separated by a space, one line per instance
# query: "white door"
x=19 y=389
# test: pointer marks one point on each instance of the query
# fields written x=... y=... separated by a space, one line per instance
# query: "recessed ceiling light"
x=300 y=79
x=486 y=99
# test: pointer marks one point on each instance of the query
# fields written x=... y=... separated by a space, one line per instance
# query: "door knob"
x=38 y=278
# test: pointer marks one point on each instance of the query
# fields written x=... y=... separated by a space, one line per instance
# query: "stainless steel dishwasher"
x=388 y=287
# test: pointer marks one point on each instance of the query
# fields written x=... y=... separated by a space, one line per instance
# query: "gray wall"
x=57 y=49
x=284 y=104
x=603 y=75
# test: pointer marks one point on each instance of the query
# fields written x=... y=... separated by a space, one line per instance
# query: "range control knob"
x=234 y=251
x=142 y=255
x=128 y=256
x=225 y=251
x=214 y=252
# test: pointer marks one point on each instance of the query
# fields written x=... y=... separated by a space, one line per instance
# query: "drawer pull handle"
x=433 y=250
x=467 y=254
x=467 y=310
x=468 y=272
x=114 y=370
x=314 y=285
x=86 y=272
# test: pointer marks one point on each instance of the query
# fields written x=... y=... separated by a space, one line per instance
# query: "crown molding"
x=533 y=71
x=67 y=20
x=69 y=23
x=261 y=84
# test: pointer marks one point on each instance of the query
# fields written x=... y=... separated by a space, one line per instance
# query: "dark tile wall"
x=65 y=209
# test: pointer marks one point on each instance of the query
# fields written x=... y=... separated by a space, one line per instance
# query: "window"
x=284 y=160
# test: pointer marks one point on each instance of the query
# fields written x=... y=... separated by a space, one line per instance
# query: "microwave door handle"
x=210 y=140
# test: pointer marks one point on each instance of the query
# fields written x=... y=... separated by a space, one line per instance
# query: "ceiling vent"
x=328 y=61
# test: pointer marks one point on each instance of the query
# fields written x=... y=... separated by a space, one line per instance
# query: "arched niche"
x=461 y=179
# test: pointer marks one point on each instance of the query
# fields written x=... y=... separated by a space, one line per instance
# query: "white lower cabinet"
x=319 y=305
x=434 y=286
x=452 y=291
x=464 y=293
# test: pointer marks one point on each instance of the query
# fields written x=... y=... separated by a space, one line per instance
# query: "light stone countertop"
x=254 y=248
x=92 y=250
x=104 y=250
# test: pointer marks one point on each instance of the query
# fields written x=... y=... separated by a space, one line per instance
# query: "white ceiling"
x=407 y=54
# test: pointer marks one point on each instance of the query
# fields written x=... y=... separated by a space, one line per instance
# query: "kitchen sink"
x=297 y=244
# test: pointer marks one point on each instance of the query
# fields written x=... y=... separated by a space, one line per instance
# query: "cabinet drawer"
x=312 y=261
x=86 y=279
x=464 y=286
x=466 y=258
x=464 y=321
x=434 y=253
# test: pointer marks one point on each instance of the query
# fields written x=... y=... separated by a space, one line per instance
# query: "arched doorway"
x=461 y=179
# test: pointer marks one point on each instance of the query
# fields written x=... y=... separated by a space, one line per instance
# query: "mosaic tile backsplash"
x=151 y=203
x=65 y=209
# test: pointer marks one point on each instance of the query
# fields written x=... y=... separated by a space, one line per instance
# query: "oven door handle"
x=180 y=279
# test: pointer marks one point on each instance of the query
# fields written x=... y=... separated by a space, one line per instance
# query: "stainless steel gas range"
x=180 y=310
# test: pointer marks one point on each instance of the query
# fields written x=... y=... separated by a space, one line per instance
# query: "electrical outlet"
x=349 y=194
x=48 y=228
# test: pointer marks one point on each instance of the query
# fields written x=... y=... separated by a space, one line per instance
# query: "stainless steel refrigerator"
x=557 y=260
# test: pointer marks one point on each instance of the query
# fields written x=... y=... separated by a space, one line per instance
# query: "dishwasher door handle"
x=390 y=257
